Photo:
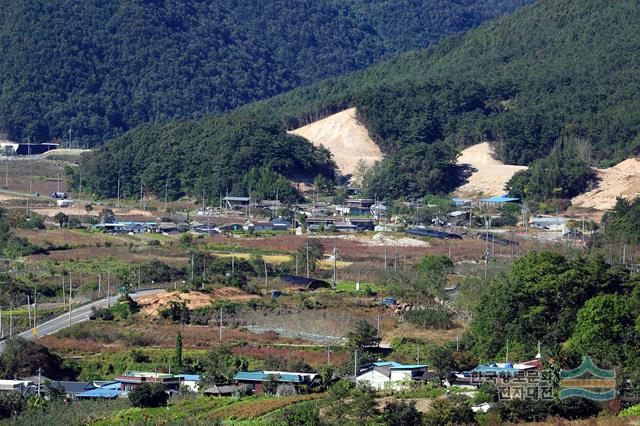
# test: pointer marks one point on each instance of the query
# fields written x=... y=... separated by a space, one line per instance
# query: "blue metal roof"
x=260 y=376
x=100 y=393
x=499 y=199
x=395 y=365
x=190 y=377
x=494 y=368
x=110 y=385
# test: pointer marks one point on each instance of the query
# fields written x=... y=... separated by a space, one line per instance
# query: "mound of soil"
x=153 y=304
x=346 y=138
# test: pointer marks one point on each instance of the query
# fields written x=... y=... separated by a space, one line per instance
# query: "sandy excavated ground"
x=152 y=305
x=489 y=176
x=78 y=210
x=379 y=240
x=346 y=138
x=65 y=152
x=621 y=180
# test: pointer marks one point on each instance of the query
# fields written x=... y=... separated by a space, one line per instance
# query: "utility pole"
x=70 y=298
x=266 y=279
x=307 y=258
x=58 y=169
x=328 y=355
x=204 y=270
x=166 y=189
x=385 y=258
x=193 y=262
x=10 y=320
x=355 y=363
x=29 y=308
x=35 y=313
x=220 y=338
x=335 y=284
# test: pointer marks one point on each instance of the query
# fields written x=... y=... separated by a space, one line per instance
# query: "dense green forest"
x=563 y=174
x=235 y=154
x=554 y=70
x=98 y=68
x=623 y=222
x=572 y=306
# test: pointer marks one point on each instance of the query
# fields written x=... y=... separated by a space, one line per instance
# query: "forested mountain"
x=98 y=68
x=556 y=69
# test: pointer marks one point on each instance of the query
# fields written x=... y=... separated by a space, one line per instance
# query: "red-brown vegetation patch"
x=313 y=358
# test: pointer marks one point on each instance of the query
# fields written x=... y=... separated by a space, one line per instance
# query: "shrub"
x=148 y=395
x=445 y=412
x=304 y=414
x=430 y=318
x=11 y=404
x=632 y=411
x=104 y=314
x=401 y=413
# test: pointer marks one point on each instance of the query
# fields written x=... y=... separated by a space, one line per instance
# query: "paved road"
x=78 y=315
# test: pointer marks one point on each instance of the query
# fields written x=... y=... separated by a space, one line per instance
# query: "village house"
x=258 y=226
x=390 y=375
x=132 y=379
x=234 y=203
x=256 y=380
x=360 y=206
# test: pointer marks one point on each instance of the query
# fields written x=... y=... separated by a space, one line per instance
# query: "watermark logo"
x=588 y=381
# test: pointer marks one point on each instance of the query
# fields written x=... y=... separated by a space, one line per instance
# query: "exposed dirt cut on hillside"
x=621 y=180
x=79 y=210
x=346 y=138
x=488 y=175
x=152 y=305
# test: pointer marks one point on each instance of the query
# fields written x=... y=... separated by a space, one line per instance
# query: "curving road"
x=78 y=315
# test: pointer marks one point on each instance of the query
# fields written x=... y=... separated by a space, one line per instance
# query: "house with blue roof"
x=190 y=381
x=391 y=375
x=256 y=379
x=100 y=393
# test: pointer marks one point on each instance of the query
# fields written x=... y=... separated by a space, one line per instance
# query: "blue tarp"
x=500 y=200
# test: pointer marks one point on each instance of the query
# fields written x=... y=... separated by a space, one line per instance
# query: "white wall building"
x=390 y=375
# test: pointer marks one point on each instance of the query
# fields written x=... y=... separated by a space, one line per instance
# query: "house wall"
x=375 y=379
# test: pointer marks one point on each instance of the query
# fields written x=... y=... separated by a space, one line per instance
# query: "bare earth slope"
x=346 y=138
x=621 y=180
x=489 y=176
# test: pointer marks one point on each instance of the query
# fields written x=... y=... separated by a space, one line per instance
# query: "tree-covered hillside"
x=98 y=68
x=556 y=69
